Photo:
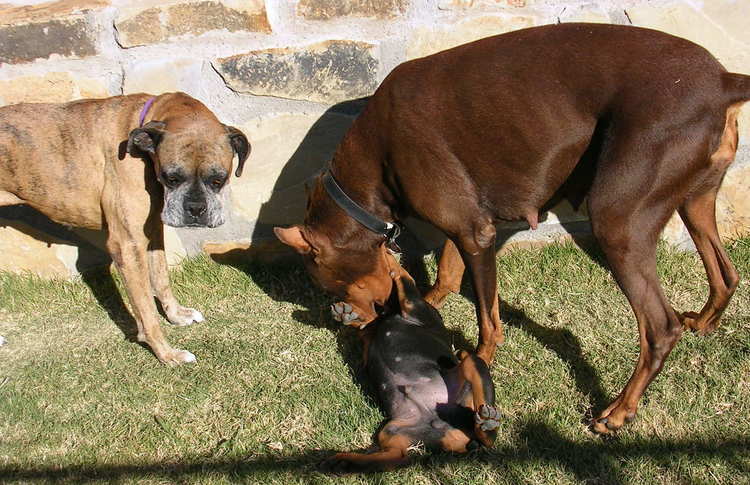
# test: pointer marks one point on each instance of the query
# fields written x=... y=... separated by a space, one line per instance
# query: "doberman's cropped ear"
x=240 y=145
x=146 y=138
x=292 y=236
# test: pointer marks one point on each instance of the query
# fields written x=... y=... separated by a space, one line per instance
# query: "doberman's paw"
x=177 y=357
x=182 y=316
x=610 y=424
x=344 y=313
x=487 y=418
x=691 y=321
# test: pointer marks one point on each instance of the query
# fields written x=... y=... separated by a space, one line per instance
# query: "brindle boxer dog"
x=126 y=164
x=639 y=122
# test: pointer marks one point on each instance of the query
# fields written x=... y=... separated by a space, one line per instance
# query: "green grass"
x=278 y=385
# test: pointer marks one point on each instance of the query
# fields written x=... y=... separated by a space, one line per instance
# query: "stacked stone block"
x=290 y=74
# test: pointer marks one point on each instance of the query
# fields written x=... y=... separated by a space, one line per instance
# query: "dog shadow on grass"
x=535 y=447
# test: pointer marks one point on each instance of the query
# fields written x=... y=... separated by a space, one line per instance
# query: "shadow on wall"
x=288 y=199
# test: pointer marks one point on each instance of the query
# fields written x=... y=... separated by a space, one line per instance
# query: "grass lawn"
x=278 y=385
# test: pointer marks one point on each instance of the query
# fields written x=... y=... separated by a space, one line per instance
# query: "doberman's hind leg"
x=449 y=274
x=393 y=441
x=699 y=215
x=628 y=235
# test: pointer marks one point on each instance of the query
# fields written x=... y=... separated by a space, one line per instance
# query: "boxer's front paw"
x=181 y=316
x=344 y=313
x=177 y=357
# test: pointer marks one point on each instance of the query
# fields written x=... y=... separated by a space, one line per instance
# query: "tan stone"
x=25 y=254
x=288 y=150
x=733 y=203
x=152 y=22
x=265 y=252
x=585 y=13
x=720 y=26
x=53 y=87
x=162 y=76
x=42 y=12
x=429 y=40
x=326 y=72
x=482 y=4
x=326 y=9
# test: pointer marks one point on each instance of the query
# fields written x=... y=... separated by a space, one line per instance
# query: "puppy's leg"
x=393 y=443
x=159 y=276
x=450 y=272
x=473 y=371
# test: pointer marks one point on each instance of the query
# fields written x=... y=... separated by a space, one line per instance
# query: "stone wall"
x=288 y=73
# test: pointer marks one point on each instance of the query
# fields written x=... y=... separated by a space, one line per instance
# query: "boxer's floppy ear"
x=292 y=236
x=240 y=145
x=144 y=139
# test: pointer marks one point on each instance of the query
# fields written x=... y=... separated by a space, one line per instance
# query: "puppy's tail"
x=736 y=86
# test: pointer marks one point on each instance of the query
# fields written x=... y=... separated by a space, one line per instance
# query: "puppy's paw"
x=344 y=313
x=487 y=418
x=182 y=316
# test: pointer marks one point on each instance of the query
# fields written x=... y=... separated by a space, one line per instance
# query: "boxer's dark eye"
x=171 y=180
x=216 y=183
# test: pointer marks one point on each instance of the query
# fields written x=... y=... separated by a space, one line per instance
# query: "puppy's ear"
x=406 y=289
x=240 y=145
x=144 y=139
x=292 y=236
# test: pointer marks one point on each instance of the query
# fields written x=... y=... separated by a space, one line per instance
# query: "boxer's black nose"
x=196 y=209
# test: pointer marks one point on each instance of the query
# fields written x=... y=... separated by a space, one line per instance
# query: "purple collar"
x=144 y=111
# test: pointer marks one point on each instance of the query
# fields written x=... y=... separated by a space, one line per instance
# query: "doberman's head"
x=361 y=277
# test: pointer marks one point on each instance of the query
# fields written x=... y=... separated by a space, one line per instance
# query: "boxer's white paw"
x=184 y=316
x=487 y=418
x=2 y=340
x=178 y=357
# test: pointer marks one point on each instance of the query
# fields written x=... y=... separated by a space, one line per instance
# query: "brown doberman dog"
x=640 y=122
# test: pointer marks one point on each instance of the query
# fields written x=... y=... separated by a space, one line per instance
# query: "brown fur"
x=639 y=122
x=70 y=162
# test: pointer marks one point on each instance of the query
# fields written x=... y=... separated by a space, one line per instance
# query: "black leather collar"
x=388 y=230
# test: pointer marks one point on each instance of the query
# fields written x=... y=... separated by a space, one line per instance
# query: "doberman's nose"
x=196 y=209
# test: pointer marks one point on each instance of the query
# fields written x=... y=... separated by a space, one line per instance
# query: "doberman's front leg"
x=481 y=264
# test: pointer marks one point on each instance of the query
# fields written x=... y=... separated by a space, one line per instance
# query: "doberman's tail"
x=736 y=86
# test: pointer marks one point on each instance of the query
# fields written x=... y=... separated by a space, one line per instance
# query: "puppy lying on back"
x=429 y=394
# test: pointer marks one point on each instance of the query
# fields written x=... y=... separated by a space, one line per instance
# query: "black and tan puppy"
x=429 y=395
x=125 y=164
